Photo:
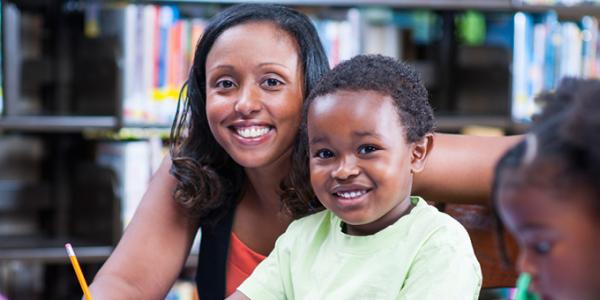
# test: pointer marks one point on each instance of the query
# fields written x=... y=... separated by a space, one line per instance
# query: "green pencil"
x=523 y=292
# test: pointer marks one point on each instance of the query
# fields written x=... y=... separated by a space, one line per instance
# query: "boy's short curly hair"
x=376 y=73
x=387 y=76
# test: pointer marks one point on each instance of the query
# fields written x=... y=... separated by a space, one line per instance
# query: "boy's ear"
x=420 y=152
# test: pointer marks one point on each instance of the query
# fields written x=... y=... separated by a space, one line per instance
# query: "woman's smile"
x=251 y=133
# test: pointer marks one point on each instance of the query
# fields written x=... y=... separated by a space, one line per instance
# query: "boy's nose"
x=346 y=169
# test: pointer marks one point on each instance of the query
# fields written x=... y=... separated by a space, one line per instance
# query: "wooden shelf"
x=56 y=254
x=568 y=12
x=494 y=5
x=459 y=122
x=86 y=254
x=57 y=123
x=426 y=4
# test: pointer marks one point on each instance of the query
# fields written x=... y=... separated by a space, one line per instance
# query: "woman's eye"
x=542 y=247
x=324 y=153
x=272 y=83
x=364 y=149
x=224 y=84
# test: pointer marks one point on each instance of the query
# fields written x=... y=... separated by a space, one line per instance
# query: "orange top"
x=240 y=264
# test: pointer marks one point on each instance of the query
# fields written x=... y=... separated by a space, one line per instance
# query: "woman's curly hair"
x=208 y=180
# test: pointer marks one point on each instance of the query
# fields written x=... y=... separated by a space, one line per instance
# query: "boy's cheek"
x=318 y=177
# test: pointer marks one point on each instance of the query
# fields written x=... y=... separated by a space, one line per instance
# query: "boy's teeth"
x=352 y=194
x=252 y=132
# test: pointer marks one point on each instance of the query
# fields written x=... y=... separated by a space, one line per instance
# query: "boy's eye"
x=271 y=83
x=224 y=84
x=364 y=149
x=542 y=248
x=324 y=153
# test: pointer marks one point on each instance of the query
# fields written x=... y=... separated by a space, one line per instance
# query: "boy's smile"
x=360 y=162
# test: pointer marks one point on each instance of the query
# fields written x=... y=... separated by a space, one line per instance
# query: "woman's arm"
x=153 y=248
x=459 y=168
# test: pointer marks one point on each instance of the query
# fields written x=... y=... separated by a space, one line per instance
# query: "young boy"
x=367 y=129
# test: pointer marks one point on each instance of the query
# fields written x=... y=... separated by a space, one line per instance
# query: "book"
x=159 y=47
x=133 y=162
x=545 y=51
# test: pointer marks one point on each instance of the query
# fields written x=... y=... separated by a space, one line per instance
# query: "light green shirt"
x=424 y=255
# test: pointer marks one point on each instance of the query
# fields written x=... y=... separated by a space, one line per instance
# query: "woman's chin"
x=253 y=160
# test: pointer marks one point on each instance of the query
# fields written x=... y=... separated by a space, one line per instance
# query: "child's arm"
x=459 y=168
x=444 y=268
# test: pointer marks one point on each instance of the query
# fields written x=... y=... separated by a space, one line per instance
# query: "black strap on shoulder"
x=212 y=259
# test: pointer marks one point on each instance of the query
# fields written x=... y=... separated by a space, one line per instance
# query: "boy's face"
x=360 y=163
x=559 y=240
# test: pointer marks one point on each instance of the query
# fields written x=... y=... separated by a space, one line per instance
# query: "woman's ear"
x=420 y=152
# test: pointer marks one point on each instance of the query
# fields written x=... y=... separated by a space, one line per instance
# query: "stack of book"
x=547 y=50
x=158 y=52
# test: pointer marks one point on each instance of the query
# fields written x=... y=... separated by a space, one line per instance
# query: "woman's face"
x=559 y=240
x=254 y=93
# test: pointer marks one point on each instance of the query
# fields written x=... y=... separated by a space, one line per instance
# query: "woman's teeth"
x=252 y=132
x=352 y=194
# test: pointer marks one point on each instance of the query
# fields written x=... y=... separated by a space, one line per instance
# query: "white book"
x=382 y=39
x=571 y=50
x=149 y=67
x=590 y=40
x=129 y=49
x=132 y=162
x=540 y=33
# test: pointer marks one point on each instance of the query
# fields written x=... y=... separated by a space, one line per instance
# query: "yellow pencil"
x=80 y=278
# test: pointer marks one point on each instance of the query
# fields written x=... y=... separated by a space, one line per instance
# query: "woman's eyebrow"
x=272 y=63
x=226 y=67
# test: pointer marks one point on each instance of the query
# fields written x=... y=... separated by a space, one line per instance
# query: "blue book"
x=522 y=55
x=552 y=53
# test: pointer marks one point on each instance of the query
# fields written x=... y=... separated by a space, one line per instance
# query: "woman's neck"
x=265 y=181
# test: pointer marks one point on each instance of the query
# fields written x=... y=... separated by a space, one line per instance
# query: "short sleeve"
x=444 y=268
x=270 y=278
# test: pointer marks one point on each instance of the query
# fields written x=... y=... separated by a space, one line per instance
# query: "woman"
x=252 y=69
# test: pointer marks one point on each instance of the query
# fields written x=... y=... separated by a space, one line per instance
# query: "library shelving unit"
x=87 y=97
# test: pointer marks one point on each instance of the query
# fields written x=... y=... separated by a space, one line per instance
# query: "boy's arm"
x=444 y=268
x=460 y=168
x=153 y=249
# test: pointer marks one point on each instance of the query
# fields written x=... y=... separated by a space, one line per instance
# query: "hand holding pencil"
x=78 y=272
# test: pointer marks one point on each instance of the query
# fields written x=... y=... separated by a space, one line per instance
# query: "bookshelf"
x=85 y=112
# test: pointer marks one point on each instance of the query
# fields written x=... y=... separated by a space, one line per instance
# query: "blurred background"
x=89 y=90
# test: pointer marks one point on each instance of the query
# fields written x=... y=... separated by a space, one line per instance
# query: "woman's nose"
x=347 y=168
x=248 y=102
